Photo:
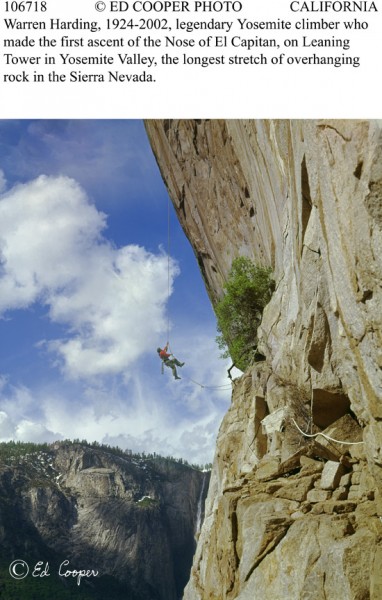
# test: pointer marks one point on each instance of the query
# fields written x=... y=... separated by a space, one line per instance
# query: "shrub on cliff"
x=248 y=289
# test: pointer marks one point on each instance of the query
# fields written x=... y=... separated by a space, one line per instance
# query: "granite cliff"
x=131 y=518
x=290 y=516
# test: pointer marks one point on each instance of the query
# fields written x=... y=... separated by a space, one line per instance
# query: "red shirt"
x=163 y=354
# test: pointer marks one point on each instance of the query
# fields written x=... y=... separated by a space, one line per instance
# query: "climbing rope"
x=311 y=411
x=225 y=387
x=207 y=387
x=313 y=435
x=168 y=267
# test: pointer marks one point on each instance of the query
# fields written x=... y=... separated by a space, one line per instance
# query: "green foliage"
x=247 y=291
x=18 y=449
x=147 y=502
x=12 y=451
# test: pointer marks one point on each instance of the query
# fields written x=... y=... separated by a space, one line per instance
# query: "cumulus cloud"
x=110 y=304
x=147 y=415
x=151 y=412
x=25 y=430
x=53 y=251
x=6 y=427
x=22 y=416
x=146 y=422
x=106 y=304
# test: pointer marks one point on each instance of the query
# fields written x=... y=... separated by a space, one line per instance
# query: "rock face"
x=132 y=519
x=290 y=516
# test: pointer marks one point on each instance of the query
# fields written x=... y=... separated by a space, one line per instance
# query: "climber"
x=172 y=363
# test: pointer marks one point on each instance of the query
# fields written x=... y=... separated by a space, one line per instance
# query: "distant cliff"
x=133 y=519
x=289 y=516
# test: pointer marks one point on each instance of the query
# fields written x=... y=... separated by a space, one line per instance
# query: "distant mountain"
x=129 y=521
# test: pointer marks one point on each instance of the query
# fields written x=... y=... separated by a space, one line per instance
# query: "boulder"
x=331 y=475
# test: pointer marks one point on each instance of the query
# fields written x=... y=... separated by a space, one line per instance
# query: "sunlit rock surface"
x=304 y=197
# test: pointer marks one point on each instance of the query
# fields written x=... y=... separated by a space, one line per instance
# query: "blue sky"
x=83 y=295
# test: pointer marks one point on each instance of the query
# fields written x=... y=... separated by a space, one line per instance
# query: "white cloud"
x=7 y=428
x=52 y=250
x=144 y=416
x=3 y=382
x=150 y=412
x=111 y=303
x=47 y=228
x=25 y=430
x=34 y=432
x=22 y=415
x=3 y=181
x=147 y=423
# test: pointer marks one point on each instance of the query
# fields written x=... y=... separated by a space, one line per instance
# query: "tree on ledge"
x=248 y=289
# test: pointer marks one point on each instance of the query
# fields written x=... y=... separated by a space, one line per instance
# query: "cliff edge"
x=290 y=516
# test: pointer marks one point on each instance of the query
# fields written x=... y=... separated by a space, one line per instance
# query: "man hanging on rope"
x=172 y=363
